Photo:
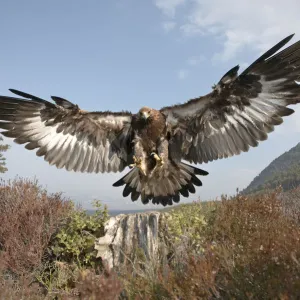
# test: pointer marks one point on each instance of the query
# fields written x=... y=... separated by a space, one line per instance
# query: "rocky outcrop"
x=129 y=235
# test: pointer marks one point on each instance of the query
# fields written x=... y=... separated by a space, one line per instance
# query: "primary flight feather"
x=239 y=112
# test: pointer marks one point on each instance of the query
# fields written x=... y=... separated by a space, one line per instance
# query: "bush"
x=72 y=252
x=250 y=249
x=243 y=247
x=29 y=217
x=47 y=246
x=291 y=204
x=3 y=148
x=19 y=289
x=185 y=226
x=75 y=242
x=68 y=282
x=103 y=285
x=256 y=248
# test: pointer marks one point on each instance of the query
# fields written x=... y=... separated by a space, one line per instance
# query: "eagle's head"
x=145 y=113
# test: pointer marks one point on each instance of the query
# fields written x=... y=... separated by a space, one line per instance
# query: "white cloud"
x=168 y=26
x=182 y=74
x=169 y=7
x=238 y=25
x=196 y=60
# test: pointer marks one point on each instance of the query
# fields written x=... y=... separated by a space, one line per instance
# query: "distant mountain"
x=284 y=171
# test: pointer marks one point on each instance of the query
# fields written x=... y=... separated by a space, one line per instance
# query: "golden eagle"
x=240 y=111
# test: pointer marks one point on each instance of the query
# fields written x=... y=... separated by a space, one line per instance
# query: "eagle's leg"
x=162 y=152
x=139 y=157
x=138 y=163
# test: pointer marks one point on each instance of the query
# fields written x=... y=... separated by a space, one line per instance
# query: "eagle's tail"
x=164 y=185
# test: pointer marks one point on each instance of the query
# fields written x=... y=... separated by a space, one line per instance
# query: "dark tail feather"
x=134 y=187
x=127 y=180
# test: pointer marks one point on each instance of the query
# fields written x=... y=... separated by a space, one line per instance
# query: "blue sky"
x=124 y=54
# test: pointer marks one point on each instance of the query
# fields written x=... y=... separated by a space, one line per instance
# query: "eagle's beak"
x=144 y=115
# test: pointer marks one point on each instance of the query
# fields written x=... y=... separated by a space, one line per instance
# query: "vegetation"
x=46 y=246
x=243 y=247
x=183 y=230
x=284 y=171
x=249 y=249
x=3 y=148
x=29 y=217
x=74 y=243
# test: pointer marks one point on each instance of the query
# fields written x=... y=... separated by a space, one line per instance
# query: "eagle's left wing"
x=66 y=136
x=240 y=111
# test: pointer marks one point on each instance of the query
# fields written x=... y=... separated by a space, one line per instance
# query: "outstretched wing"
x=240 y=111
x=65 y=135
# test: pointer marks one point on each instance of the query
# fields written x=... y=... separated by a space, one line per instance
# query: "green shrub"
x=74 y=243
x=185 y=225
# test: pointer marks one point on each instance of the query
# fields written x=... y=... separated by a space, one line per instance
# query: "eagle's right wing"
x=240 y=111
x=67 y=136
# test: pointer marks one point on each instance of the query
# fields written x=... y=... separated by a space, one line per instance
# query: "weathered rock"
x=127 y=235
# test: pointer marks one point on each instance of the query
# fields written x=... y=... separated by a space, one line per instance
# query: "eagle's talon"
x=158 y=159
x=137 y=162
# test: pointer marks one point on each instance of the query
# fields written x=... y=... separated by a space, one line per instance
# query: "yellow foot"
x=137 y=162
x=159 y=161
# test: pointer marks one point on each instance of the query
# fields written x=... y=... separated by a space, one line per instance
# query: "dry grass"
x=104 y=285
x=250 y=249
x=23 y=288
x=29 y=217
x=255 y=248
x=291 y=204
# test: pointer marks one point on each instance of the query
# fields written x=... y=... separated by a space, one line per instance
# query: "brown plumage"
x=239 y=112
x=149 y=124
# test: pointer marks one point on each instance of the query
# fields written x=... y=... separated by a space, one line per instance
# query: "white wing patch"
x=65 y=150
x=69 y=149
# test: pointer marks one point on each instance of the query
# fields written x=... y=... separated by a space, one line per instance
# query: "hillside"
x=284 y=171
